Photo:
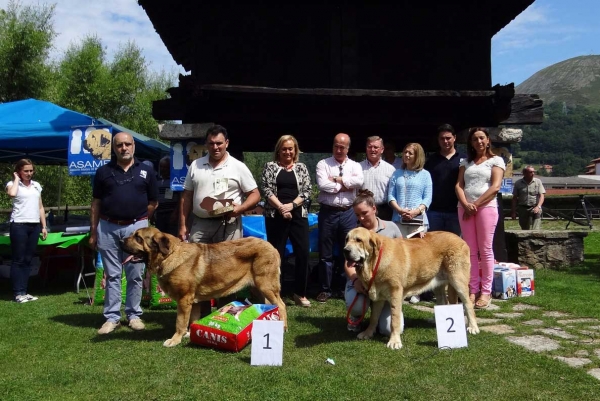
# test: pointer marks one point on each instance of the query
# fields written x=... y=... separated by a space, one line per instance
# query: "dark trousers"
x=23 y=242
x=296 y=229
x=334 y=224
x=385 y=212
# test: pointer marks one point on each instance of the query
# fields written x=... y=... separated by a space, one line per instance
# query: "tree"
x=26 y=35
x=121 y=90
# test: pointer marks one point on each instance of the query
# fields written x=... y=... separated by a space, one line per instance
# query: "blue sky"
x=547 y=32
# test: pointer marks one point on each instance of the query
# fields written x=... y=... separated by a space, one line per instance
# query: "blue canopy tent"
x=40 y=131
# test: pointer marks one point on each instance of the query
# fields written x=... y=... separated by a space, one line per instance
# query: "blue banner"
x=183 y=153
x=89 y=148
x=507 y=186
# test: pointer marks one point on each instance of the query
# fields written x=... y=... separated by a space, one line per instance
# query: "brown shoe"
x=323 y=297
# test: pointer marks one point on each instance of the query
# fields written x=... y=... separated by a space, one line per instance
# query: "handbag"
x=415 y=221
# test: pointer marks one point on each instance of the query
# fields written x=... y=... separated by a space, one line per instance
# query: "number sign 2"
x=450 y=326
x=267 y=343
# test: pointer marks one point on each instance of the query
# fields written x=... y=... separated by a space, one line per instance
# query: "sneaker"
x=137 y=324
x=353 y=324
x=21 y=299
x=323 y=297
x=108 y=327
x=30 y=297
x=414 y=299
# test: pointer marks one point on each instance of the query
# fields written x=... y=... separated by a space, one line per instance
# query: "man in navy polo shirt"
x=443 y=167
x=125 y=195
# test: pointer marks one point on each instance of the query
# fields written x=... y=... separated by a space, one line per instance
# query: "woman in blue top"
x=410 y=191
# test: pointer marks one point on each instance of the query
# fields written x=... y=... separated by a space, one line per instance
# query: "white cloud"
x=115 y=22
x=534 y=27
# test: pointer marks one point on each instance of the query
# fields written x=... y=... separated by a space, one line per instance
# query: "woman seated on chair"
x=366 y=212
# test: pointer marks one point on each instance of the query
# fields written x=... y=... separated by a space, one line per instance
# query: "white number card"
x=267 y=343
x=450 y=326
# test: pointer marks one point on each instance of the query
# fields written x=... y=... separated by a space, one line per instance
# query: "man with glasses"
x=125 y=195
x=338 y=179
x=216 y=176
x=377 y=173
x=528 y=195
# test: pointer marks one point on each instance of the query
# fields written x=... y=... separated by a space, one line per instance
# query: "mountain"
x=575 y=81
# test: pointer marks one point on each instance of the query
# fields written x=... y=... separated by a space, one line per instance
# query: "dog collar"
x=365 y=303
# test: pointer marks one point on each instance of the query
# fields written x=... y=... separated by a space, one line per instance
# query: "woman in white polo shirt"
x=26 y=222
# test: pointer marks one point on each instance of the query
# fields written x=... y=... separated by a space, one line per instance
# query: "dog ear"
x=375 y=243
x=162 y=242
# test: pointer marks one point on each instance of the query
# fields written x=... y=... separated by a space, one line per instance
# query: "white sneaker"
x=21 y=299
x=414 y=299
x=30 y=297
x=108 y=327
x=353 y=324
x=136 y=324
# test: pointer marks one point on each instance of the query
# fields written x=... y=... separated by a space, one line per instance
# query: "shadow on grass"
x=333 y=330
x=151 y=318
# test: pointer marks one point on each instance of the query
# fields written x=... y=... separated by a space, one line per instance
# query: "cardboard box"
x=504 y=285
x=230 y=327
x=525 y=283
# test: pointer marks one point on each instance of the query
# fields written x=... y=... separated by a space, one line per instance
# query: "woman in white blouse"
x=479 y=180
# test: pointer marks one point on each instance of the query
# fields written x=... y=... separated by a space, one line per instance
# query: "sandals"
x=301 y=301
x=473 y=297
x=483 y=303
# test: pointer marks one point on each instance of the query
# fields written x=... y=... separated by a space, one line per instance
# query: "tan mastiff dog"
x=408 y=267
x=190 y=273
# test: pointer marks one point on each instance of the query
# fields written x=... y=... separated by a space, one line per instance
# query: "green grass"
x=50 y=351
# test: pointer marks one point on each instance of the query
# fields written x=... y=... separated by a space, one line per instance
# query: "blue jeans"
x=385 y=319
x=23 y=242
x=110 y=236
x=444 y=221
x=333 y=227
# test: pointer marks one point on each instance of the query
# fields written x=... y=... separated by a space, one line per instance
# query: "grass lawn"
x=50 y=351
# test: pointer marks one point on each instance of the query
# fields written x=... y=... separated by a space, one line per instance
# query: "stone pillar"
x=543 y=249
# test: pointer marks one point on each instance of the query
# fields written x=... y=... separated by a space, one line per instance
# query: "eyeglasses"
x=122 y=182
x=341 y=170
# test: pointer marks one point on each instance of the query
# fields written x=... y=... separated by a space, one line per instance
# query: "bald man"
x=125 y=195
x=528 y=197
x=338 y=179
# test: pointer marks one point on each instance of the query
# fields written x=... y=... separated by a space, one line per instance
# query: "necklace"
x=409 y=174
x=288 y=168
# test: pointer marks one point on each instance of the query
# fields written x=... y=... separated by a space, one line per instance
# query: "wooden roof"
x=393 y=68
x=176 y=21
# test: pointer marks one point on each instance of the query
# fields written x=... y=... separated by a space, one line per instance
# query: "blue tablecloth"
x=254 y=226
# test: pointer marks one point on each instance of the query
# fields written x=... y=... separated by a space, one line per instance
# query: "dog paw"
x=171 y=343
x=186 y=335
x=394 y=344
x=473 y=330
x=365 y=335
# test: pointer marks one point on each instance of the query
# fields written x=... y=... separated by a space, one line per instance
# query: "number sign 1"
x=267 y=343
x=450 y=326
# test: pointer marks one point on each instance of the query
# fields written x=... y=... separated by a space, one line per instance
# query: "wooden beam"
x=525 y=109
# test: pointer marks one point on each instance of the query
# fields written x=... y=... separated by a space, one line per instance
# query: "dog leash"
x=366 y=302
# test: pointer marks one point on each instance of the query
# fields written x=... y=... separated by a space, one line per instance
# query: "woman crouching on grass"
x=27 y=220
x=366 y=212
